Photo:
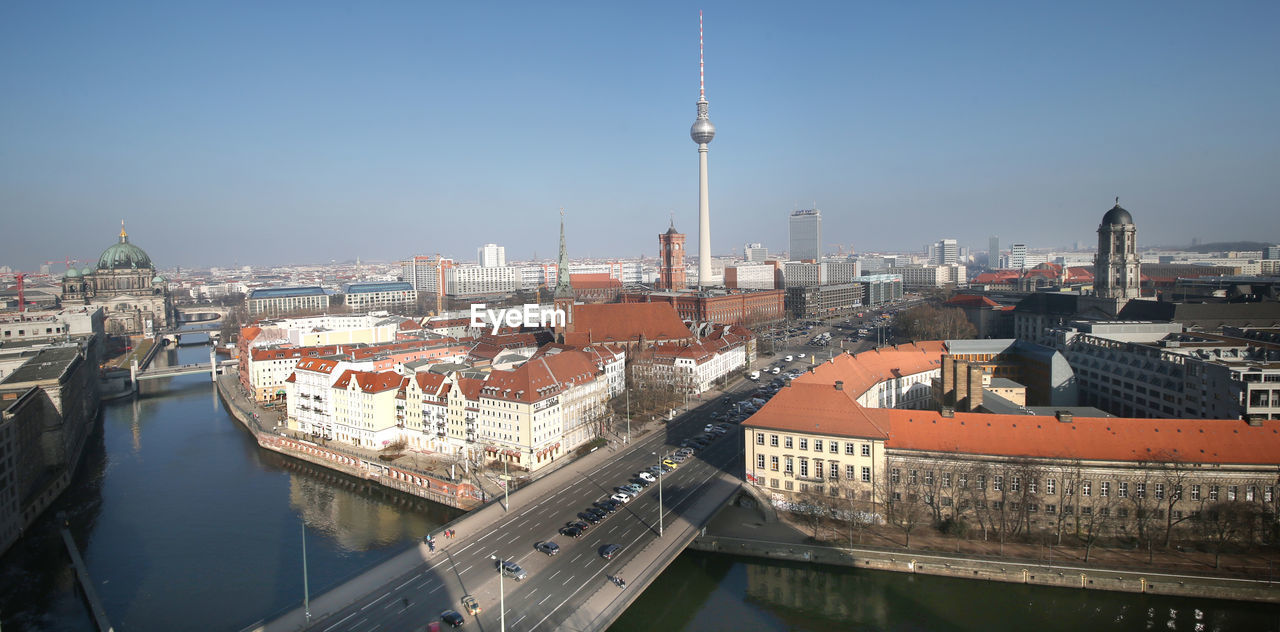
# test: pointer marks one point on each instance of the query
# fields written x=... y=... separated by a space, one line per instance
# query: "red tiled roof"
x=429 y=382
x=541 y=377
x=317 y=365
x=819 y=408
x=1092 y=438
x=970 y=300
x=594 y=280
x=626 y=322
x=370 y=382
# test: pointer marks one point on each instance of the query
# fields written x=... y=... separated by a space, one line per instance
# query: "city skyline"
x=281 y=135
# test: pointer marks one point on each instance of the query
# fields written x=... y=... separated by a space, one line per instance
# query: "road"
x=556 y=586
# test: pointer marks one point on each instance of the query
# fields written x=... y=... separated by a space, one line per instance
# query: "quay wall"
x=460 y=495
x=1061 y=576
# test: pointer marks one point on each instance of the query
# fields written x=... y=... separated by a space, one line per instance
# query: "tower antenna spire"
x=702 y=90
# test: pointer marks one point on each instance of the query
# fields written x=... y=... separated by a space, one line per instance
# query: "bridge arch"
x=749 y=497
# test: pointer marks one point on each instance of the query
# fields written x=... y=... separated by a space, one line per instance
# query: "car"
x=452 y=617
x=579 y=524
x=571 y=532
x=789 y=358
x=593 y=518
x=679 y=458
x=646 y=476
x=609 y=550
x=621 y=498
x=654 y=469
x=625 y=490
x=512 y=570
x=548 y=547
x=633 y=488
x=640 y=482
x=800 y=355
x=470 y=604
x=605 y=506
x=708 y=427
x=668 y=465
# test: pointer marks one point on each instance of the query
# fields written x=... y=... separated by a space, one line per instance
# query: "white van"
x=755 y=375
x=788 y=358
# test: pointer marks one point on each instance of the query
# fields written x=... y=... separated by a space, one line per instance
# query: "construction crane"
x=68 y=262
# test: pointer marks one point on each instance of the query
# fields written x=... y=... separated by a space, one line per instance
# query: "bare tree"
x=1223 y=522
x=1070 y=475
x=901 y=500
x=1171 y=477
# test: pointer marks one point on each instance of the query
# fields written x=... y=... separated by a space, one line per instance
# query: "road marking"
x=566 y=582
x=406 y=583
x=373 y=602
x=341 y=622
x=575 y=558
x=553 y=576
x=424 y=582
x=435 y=589
x=513 y=539
x=544 y=600
x=467 y=569
x=520 y=619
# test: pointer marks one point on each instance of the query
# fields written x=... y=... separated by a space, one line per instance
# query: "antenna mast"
x=702 y=92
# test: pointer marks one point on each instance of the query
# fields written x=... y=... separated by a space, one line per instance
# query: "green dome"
x=72 y=273
x=157 y=280
x=86 y=271
x=123 y=256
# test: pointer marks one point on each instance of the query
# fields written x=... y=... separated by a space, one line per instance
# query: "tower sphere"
x=703 y=131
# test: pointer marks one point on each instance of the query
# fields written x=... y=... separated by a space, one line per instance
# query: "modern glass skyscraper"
x=806 y=235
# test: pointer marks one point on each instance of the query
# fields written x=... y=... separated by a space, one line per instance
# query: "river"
x=185 y=524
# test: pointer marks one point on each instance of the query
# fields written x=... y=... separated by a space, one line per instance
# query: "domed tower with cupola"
x=1117 y=270
x=125 y=285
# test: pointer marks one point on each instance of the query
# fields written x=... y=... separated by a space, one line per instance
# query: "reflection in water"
x=751 y=594
x=178 y=511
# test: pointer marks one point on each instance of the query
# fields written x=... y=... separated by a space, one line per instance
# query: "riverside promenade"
x=739 y=531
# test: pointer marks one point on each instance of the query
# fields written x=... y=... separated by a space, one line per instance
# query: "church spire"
x=563 y=288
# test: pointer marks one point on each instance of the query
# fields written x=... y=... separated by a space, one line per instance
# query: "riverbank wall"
x=1009 y=571
x=463 y=496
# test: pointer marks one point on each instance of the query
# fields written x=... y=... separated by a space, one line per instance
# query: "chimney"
x=1252 y=420
x=975 y=388
x=1064 y=416
x=948 y=380
x=962 y=385
x=840 y=387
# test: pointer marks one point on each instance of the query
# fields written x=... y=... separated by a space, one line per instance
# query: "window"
x=1195 y=492
x=817 y=445
x=786 y=442
x=835 y=470
x=787 y=485
x=1123 y=489
x=789 y=469
x=1250 y=493
x=981 y=481
x=1104 y=489
x=962 y=481
x=895 y=476
x=1032 y=487
x=1213 y=493
x=1051 y=487
x=866 y=474
x=946 y=479
x=834 y=447
x=1015 y=483
x=912 y=477
x=997 y=483
x=759 y=461
x=804 y=467
x=1049 y=509
x=1231 y=491
x=1086 y=488
x=773 y=440
x=1268 y=493
x=804 y=443
x=850 y=472
x=1177 y=492
x=1139 y=490
x=773 y=482
x=759 y=438
x=866 y=449
x=928 y=477
x=848 y=449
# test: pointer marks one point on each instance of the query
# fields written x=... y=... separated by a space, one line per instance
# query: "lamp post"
x=506 y=486
x=660 y=473
x=306 y=593
x=502 y=602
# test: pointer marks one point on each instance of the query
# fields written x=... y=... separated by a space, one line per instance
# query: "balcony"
x=810 y=479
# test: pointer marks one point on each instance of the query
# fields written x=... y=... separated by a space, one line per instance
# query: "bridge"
x=213 y=367
x=569 y=590
x=200 y=313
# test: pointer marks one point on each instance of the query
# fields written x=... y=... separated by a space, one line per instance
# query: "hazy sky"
x=274 y=132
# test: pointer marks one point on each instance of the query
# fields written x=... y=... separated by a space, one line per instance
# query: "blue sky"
x=279 y=132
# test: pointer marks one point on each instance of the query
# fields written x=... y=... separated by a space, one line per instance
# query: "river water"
x=185 y=524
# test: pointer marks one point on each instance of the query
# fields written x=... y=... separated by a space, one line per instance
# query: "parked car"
x=621 y=498
x=579 y=524
x=589 y=517
x=548 y=547
x=646 y=476
x=571 y=532
x=669 y=463
x=640 y=482
x=605 y=506
x=633 y=488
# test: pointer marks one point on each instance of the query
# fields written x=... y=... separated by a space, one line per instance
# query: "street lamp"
x=660 y=472
x=306 y=594
x=502 y=602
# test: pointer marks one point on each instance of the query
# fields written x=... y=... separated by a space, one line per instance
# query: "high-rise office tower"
x=755 y=252
x=805 y=231
x=492 y=256
x=993 y=251
x=702 y=132
x=944 y=253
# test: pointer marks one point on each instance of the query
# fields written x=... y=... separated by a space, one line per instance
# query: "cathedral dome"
x=72 y=273
x=123 y=255
x=1117 y=215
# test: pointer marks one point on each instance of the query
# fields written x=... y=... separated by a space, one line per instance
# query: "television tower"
x=702 y=132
